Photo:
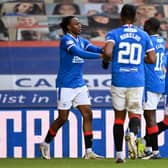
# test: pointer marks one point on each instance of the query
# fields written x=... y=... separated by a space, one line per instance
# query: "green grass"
x=81 y=163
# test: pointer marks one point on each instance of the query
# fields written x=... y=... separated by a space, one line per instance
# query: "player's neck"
x=73 y=35
x=126 y=22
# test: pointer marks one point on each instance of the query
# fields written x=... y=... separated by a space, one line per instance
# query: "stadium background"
x=29 y=57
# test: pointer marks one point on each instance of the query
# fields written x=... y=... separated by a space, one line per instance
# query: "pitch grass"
x=81 y=163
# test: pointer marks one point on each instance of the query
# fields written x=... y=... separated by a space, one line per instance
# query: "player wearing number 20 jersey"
x=130 y=47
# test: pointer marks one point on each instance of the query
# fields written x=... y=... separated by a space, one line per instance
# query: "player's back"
x=166 y=80
x=155 y=78
x=131 y=45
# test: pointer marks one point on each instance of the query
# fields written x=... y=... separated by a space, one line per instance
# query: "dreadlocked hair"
x=65 y=22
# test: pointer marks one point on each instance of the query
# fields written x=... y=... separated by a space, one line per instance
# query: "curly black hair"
x=65 y=22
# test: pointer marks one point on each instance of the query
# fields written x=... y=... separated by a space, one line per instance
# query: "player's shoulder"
x=160 y=39
x=113 y=31
x=82 y=38
x=66 y=39
x=141 y=31
x=144 y=35
x=116 y=29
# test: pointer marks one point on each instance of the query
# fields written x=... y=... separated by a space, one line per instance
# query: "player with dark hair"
x=126 y=47
x=71 y=87
x=154 y=88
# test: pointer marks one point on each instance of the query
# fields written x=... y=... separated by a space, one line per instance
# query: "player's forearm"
x=84 y=54
x=95 y=49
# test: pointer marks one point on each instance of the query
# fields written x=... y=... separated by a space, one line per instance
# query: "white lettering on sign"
x=32 y=126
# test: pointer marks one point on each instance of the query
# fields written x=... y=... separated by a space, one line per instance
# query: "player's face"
x=75 y=27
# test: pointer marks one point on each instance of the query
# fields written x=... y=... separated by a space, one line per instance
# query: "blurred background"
x=30 y=20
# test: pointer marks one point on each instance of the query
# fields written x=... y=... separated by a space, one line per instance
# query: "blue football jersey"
x=166 y=80
x=130 y=46
x=154 y=74
x=73 y=51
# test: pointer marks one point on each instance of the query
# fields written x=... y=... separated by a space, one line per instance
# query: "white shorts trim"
x=129 y=99
x=68 y=97
x=152 y=100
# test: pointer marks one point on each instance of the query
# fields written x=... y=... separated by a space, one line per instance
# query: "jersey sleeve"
x=83 y=53
x=74 y=50
x=90 y=47
x=67 y=43
x=94 y=48
x=110 y=36
x=149 y=44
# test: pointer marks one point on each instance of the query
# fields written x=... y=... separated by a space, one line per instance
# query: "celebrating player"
x=126 y=47
x=71 y=87
x=154 y=87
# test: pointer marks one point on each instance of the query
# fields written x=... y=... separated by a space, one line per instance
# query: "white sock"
x=155 y=152
x=88 y=150
x=148 y=148
x=132 y=135
x=119 y=154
